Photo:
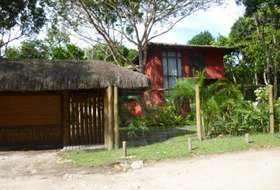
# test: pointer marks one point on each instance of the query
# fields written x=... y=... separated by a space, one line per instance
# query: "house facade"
x=168 y=62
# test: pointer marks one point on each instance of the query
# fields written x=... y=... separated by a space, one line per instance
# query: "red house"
x=168 y=62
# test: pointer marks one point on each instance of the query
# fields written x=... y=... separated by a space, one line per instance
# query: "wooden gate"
x=86 y=118
x=30 y=120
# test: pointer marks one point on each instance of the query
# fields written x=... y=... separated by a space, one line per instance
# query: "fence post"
x=198 y=121
x=271 y=112
x=116 y=119
x=110 y=128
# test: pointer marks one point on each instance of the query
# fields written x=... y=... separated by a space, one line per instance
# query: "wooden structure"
x=46 y=103
x=167 y=62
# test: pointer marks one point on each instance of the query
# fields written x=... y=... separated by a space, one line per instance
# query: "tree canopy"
x=257 y=35
x=203 y=38
x=20 y=18
x=135 y=21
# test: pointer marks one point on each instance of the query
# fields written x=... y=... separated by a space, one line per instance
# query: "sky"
x=217 y=21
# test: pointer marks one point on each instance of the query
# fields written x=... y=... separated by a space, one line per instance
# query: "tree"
x=37 y=49
x=20 y=18
x=230 y=60
x=263 y=38
x=101 y=51
x=203 y=38
x=70 y=51
x=133 y=20
x=214 y=98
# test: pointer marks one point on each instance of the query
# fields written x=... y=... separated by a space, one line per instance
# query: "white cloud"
x=218 y=20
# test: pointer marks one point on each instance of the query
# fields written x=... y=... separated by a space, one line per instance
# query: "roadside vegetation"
x=174 y=148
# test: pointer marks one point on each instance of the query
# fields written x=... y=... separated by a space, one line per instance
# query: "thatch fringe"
x=49 y=75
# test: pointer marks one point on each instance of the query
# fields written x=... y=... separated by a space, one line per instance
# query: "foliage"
x=135 y=126
x=26 y=16
x=203 y=38
x=135 y=21
x=37 y=49
x=230 y=60
x=257 y=35
x=124 y=112
x=101 y=51
x=70 y=51
x=214 y=98
x=247 y=117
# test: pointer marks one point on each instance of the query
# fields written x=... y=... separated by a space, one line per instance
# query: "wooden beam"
x=66 y=117
x=110 y=118
x=116 y=119
x=105 y=117
x=198 y=120
x=271 y=112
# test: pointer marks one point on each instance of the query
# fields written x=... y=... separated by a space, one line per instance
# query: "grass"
x=176 y=147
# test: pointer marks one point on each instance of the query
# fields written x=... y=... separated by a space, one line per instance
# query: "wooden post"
x=110 y=118
x=247 y=138
x=124 y=149
x=116 y=119
x=105 y=117
x=66 y=117
x=271 y=112
x=198 y=121
x=190 y=143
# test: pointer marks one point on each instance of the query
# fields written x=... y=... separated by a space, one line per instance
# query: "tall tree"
x=264 y=24
x=203 y=38
x=70 y=51
x=101 y=51
x=20 y=18
x=37 y=49
x=134 y=20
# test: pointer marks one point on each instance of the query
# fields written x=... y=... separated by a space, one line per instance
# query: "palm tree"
x=215 y=98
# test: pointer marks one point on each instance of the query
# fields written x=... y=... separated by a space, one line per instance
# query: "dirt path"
x=258 y=170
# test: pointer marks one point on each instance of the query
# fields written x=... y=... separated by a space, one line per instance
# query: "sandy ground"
x=254 y=169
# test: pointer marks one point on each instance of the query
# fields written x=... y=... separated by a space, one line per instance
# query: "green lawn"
x=176 y=147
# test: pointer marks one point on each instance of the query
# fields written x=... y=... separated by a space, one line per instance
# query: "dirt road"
x=254 y=169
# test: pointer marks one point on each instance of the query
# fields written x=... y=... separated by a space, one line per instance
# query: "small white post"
x=247 y=138
x=190 y=143
x=124 y=149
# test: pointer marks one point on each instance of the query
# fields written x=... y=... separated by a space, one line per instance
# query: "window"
x=196 y=62
x=172 y=67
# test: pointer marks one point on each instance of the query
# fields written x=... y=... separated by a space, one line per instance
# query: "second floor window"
x=196 y=63
x=172 y=67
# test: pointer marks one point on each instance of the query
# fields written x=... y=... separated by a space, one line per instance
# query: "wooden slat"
x=77 y=123
x=99 y=120
x=86 y=119
x=90 y=119
x=73 y=121
x=94 y=118
x=30 y=110
x=81 y=126
x=33 y=136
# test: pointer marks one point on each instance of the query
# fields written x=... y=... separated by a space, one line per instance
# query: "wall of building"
x=214 y=68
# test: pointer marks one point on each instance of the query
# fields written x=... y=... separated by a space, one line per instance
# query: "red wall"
x=214 y=68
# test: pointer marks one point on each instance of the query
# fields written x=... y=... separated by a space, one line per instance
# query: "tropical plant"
x=215 y=98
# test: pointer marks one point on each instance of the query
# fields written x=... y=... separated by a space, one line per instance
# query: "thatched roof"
x=55 y=75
